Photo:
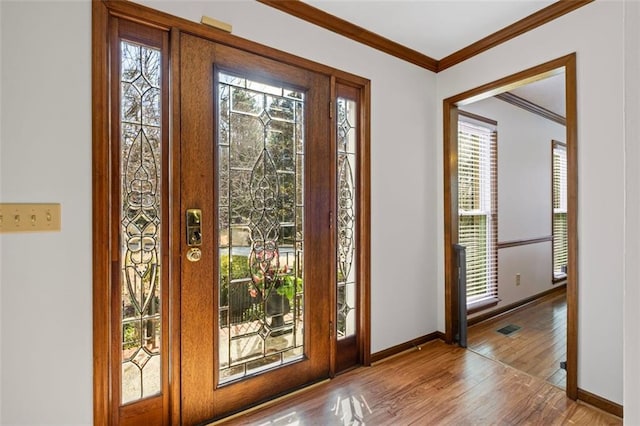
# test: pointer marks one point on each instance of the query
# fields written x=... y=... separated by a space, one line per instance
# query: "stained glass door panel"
x=261 y=233
x=255 y=139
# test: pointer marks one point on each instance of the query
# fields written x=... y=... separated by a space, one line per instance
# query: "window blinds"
x=477 y=206
x=560 y=251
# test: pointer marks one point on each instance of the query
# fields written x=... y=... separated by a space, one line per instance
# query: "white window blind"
x=560 y=252
x=477 y=207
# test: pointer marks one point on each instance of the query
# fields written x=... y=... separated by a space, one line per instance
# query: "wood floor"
x=438 y=385
x=537 y=348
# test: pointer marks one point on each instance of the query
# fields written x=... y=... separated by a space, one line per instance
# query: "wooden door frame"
x=450 y=138
x=104 y=272
x=341 y=88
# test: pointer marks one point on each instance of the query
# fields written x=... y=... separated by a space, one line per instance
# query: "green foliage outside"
x=289 y=286
x=239 y=270
x=242 y=297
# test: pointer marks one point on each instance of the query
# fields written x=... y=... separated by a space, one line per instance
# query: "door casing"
x=450 y=140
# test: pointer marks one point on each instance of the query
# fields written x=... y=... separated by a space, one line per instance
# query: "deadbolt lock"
x=194 y=227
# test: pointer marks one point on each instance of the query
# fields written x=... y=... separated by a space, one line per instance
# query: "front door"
x=257 y=188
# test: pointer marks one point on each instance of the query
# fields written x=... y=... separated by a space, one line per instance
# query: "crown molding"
x=331 y=22
x=541 y=17
x=531 y=107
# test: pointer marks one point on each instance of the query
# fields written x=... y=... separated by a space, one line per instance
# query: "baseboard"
x=378 y=356
x=601 y=403
x=513 y=307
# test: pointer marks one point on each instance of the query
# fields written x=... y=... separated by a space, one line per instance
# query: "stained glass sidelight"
x=346 y=217
x=140 y=168
x=260 y=214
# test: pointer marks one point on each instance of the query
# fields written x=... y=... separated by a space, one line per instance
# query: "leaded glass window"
x=346 y=216
x=261 y=233
x=140 y=219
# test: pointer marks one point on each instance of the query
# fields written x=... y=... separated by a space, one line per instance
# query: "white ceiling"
x=438 y=28
x=547 y=93
x=435 y=28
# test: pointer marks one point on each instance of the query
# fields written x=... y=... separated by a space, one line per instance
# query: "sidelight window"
x=140 y=219
x=346 y=216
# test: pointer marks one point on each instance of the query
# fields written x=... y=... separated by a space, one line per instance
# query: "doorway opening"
x=514 y=266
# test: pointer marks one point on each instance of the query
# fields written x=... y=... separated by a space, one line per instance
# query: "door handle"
x=194 y=234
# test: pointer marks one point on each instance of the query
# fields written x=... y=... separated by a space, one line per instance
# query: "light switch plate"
x=33 y=217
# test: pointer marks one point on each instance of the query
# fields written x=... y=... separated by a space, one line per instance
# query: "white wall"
x=595 y=32
x=524 y=196
x=403 y=250
x=45 y=144
x=632 y=216
x=45 y=156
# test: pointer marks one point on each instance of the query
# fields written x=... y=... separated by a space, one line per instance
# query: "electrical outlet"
x=517 y=279
x=29 y=217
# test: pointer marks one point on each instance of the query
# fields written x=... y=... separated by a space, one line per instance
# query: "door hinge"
x=330 y=219
x=330 y=329
x=331 y=109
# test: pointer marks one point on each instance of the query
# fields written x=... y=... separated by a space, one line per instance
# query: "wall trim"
x=601 y=403
x=354 y=32
x=526 y=105
x=524 y=242
x=533 y=21
x=101 y=201
x=413 y=343
x=519 y=305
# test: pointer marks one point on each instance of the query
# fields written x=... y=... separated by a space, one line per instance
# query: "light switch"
x=29 y=217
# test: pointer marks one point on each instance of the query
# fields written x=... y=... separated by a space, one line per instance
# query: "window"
x=142 y=214
x=477 y=207
x=559 y=183
x=347 y=136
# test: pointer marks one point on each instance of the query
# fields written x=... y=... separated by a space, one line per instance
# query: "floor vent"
x=507 y=330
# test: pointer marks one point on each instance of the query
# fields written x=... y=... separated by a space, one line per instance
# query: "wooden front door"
x=257 y=186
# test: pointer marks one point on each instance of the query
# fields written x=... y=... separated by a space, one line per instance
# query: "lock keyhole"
x=196 y=238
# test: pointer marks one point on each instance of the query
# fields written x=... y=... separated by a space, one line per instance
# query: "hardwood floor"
x=438 y=385
x=537 y=348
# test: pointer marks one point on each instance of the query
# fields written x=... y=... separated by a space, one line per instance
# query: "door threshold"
x=268 y=403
